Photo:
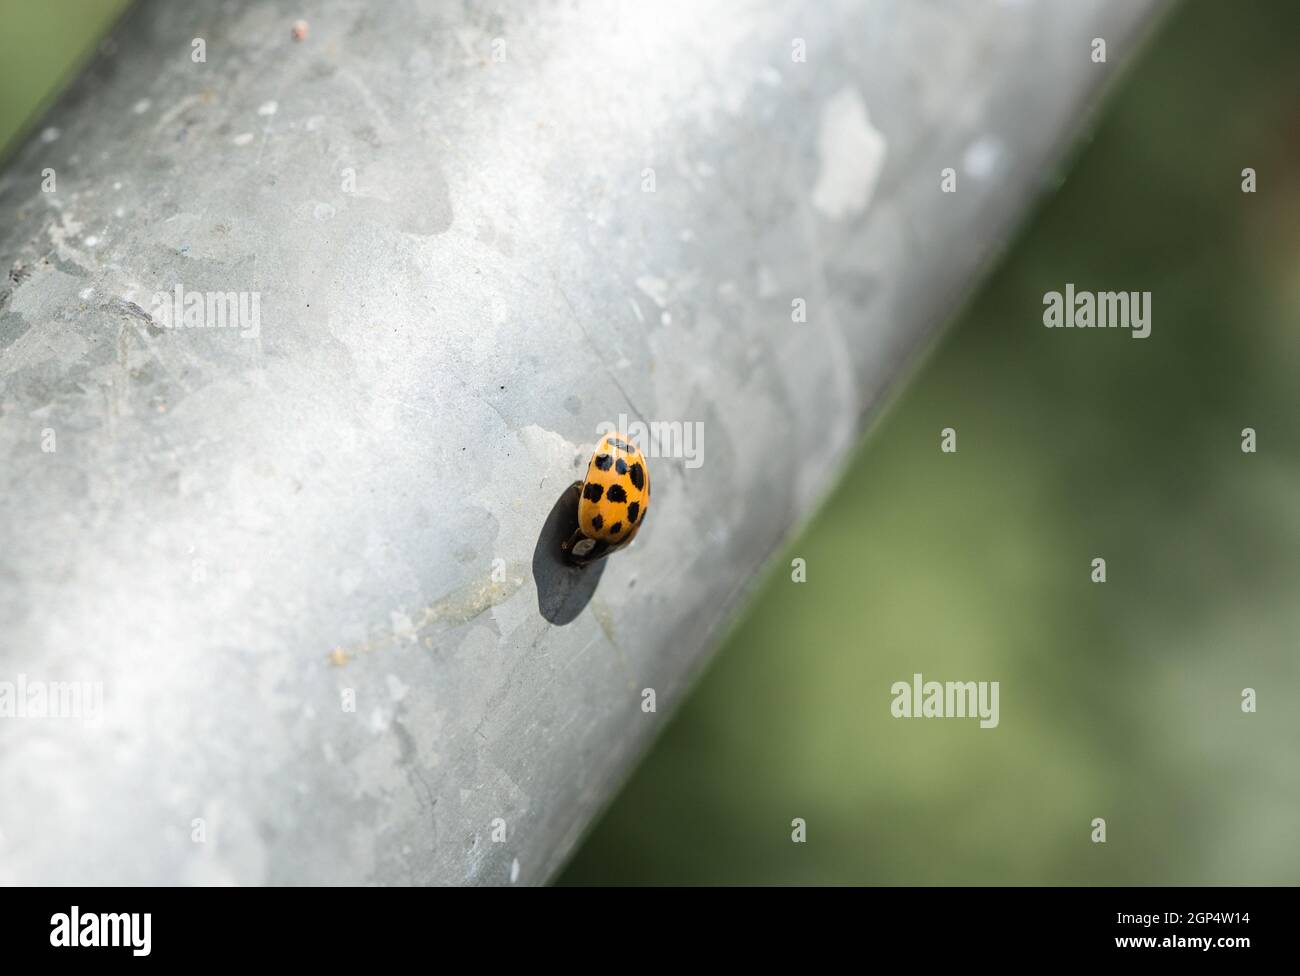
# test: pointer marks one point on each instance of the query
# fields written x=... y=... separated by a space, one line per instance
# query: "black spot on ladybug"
x=603 y=461
x=615 y=494
x=620 y=466
x=597 y=522
x=637 y=474
x=615 y=529
x=632 y=512
x=622 y=445
x=592 y=492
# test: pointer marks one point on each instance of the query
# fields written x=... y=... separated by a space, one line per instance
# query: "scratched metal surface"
x=232 y=531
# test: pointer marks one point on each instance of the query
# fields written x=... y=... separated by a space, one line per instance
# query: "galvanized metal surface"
x=445 y=214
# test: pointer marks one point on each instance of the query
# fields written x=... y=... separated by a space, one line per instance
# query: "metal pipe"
x=302 y=342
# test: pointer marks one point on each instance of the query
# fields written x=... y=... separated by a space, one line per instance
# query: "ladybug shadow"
x=563 y=589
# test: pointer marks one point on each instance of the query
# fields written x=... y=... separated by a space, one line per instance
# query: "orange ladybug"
x=613 y=502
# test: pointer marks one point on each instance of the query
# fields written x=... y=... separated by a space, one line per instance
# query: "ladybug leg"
x=583 y=549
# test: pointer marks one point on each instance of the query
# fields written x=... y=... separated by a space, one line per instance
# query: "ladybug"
x=613 y=501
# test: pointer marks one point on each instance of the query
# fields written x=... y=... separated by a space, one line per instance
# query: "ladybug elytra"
x=613 y=501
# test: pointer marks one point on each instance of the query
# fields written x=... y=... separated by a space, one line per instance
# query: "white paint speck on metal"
x=983 y=157
x=851 y=153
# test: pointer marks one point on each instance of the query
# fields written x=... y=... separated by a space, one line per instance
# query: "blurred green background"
x=1118 y=700
x=41 y=46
